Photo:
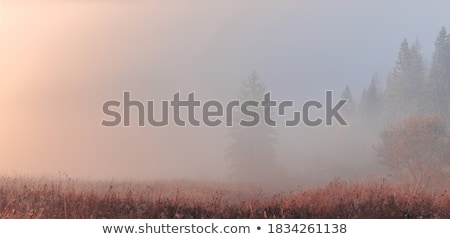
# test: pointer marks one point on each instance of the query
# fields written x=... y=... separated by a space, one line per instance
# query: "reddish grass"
x=65 y=198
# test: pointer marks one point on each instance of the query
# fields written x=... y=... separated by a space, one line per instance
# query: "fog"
x=61 y=60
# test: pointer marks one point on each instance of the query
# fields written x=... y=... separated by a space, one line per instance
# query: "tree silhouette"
x=370 y=105
x=405 y=84
x=251 y=154
x=439 y=77
x=349 y=108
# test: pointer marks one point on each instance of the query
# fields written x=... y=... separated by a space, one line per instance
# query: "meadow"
x=59 y=197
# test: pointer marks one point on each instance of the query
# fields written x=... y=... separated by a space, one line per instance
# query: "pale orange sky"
x=59 y=63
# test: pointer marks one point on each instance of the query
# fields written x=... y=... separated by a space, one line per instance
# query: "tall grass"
x=62 y=197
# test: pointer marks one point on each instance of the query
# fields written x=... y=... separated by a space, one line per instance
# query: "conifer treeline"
x=411 y=87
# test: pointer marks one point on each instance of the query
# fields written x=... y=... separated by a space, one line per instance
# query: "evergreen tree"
x=416 y=81
x=405 y=84
x=439 y=78
x=370 y=105
x=348 y=109
x=394 y=85
x=251 y=153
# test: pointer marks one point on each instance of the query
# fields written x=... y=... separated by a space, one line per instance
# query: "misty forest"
x=390 y=160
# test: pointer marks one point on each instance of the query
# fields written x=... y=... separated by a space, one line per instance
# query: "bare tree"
x=417 y=149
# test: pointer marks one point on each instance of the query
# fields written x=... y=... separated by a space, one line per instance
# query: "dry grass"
x=65 y=198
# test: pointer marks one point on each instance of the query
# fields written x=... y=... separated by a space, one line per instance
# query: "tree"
x=415 y=89
x=439 y=77
x=370 y=105
x=405 y=84
x=251 y=153
x=348 y=109
x=417 y=149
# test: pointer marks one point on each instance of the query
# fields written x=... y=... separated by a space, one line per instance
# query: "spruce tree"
x=348 y=109
x=439 y=77
x=370 y=105
x=405 y=84
x=251 y=154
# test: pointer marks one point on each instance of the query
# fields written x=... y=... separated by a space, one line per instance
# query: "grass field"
x=22 y=197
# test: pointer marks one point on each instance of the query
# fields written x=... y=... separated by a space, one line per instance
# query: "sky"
x=62 y=59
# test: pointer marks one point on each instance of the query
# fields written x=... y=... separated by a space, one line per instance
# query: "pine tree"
x=370 y=105
x=416 y=81
x=348 y=109
x=394 y=85
x=405 y=84
x=251 y=153
x=439 y=78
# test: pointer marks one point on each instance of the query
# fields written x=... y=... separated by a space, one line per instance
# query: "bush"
x=417 y=150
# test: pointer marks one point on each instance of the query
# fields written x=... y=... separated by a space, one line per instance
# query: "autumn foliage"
x=417 y=151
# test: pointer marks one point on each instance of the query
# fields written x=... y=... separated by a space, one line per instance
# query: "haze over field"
x=61 y=60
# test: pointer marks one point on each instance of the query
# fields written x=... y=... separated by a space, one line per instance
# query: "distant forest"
x=404 y=125
x=413 y=86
